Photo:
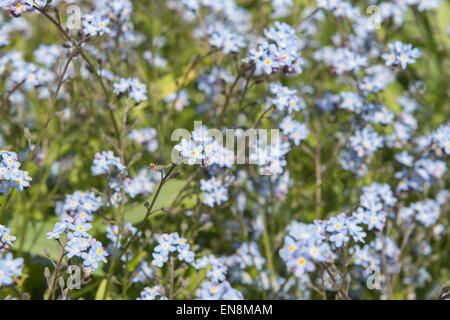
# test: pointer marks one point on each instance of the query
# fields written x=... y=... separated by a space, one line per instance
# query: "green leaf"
x=168 y=193
x=76 y=294
x=36 y=241
x=101 y=290
x=133 y=263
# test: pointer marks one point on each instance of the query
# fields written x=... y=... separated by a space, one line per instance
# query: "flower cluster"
x=353 y=180
x=133 y=87
x=281 y=8
x=344 y=60
x=340 y=8
x=80 y=205
x=246 y=255
x=143 y=272
x=365 y=142
x=376 y=79
x=211 y=82
x=362 y=146
x=425 y=212
x=203 y=149
x=218 y=291
x=154 y=60
x=115 y=236
x=11 y=177
x=422 y=172
x=16 y=7
x=437 y=141
x=222 y=37
x=281 y=53
x=106 y=162
x=214 y=192
x=286 y=99
x=441 y=140
x=180 y=99
x=147 y=137
x=214 y=283
x=142 y=184
x=152 y=293
x=309 y=244
x=9 y=268
x=47 y=54
x=401 y=54
x=79 y=243
x=6 y=239
x=95 y=25
x=168 y=243
x=271 y=158
x=217 y=287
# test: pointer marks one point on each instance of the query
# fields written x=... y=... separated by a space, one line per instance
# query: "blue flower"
x=80 y=228
x=95 y=25
x=159 y=259
x=401 y=54
x=150 y=293
x=339 y=238
x=165 y=246
x=5 y=274
x=106 y=162
x=356 y=231
x=6 y=236
x=98 y=251
x=184 y=254
x=375 y=220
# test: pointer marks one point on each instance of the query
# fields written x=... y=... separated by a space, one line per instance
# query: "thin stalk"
x=268 y=250
x=336 y=284
x=116 y=257
x=58 y=266
x=318 y=166
x=86 y=59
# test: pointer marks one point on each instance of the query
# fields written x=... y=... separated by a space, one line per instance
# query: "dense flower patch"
x=235 y=149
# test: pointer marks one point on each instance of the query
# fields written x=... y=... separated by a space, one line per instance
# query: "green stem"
x=268 y=250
